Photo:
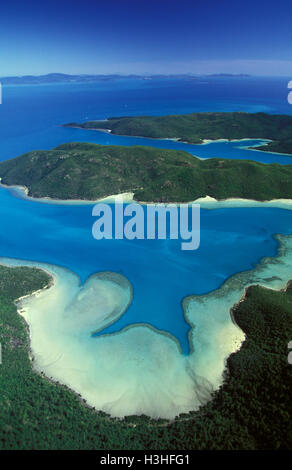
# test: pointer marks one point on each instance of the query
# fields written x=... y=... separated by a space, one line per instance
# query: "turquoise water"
x=232 y=240
x=161 y=274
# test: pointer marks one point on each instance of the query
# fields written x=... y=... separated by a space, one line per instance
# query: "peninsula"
x=196 y=127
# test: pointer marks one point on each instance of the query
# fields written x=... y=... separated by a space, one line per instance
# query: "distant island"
x=87 y=78
x=90 y=171
x=59 y=78
x=196 y=127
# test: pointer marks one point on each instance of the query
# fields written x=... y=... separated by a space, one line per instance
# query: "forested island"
x=90 y=171
x=196 y=127
x=251 y=410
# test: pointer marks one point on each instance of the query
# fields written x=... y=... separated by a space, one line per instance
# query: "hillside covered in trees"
x=90 y=171
x=194 y=128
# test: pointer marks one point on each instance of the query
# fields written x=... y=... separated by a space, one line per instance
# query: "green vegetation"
x=252 y=410
x=194 y=128
x=90 y=171
x=278 y=146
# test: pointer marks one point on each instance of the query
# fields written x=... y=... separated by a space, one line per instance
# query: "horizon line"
x=141 y=74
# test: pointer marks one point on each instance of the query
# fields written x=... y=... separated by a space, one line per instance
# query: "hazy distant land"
x=86 y=78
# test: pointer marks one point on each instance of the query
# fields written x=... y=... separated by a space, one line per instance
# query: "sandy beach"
x=206 y=202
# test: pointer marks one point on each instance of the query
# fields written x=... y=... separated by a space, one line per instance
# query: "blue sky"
x=162 y=36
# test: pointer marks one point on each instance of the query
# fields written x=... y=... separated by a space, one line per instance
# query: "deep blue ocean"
x=31 y=117
x=232 y=240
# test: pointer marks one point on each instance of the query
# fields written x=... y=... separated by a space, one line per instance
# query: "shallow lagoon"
x=141 y=368
x=161 y=274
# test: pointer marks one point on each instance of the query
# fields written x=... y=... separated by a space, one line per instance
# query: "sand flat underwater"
x=160 y=273
x=141 y=326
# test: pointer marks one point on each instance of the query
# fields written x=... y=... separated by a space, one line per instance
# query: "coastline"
x=109 y=131
x=272 y=273
x=206 y=202
x=264 y=141
x=23 y=193
x=22 y=305
x=257 y=149
x=223 y=336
